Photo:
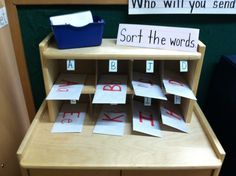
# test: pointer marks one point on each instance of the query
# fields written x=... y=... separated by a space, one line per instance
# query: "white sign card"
x=67 y=87
x=70 y=118
x=72 y=101
x=3 y=17
x=147 y=36
x=183 y=66
x=171 y=117
x=111 y=120
x=75 y=19
x=174 y=84
x=111 y=89
x=145 y=120
x=149 y=66
x=113 y=66
x=146 y=85
x=182 y=7
x=70 y=65
x=177 y=99
x=147 y=101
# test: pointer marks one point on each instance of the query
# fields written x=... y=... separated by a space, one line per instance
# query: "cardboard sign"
x=111 y=89
x=70 y=118
x=174 y=84
x=3 y=17
x=172 y=118
x=111 y=120
x=145 y=85
x=67 y=87
x=145 y=120
x=171 y=38
x=182 y=7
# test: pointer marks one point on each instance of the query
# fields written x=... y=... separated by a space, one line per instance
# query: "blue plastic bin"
x=68 y=36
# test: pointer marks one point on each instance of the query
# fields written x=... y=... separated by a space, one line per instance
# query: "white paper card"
x=72 y=101
x=67 y=87
x=147 y=36
x=177 y=99
x=145 y=120
x=147 y=101
x=174 y=84
x=146 y=85
x=149 y=66
x=111 y=120
x=75 y=19
x=70 y=65
x=183 y=66
x=173 y=119
x=113 y=66
x=70 y=119
x=111 y=89
x=3 y=17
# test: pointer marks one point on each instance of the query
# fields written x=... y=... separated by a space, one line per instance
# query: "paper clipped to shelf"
x=175 y=84
x=146 y=85
x=145 y=120
x=78 y=19
x=111 y=120
x=67 y=87
x=70 y=118
x=172 y=117
x=111 y=89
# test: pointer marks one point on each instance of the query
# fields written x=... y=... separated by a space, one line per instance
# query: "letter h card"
x=145 y=120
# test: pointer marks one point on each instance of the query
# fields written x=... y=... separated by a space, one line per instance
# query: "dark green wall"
x=218 y=32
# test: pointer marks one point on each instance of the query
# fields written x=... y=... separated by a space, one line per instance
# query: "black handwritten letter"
x=138 y=2
x=121 y=32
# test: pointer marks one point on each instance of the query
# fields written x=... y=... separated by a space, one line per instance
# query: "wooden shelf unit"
x=93 y=61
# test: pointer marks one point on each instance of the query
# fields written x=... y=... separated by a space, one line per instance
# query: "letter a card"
x=111 y=89
x=172 y=117
x=145 y=119
x=145 y=85
x=174 y=84
x=67 y=87
x=111 y=120
x=70 y=119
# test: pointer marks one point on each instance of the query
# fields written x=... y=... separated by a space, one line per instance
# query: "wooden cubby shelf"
x=93 y=62
x=43 y=153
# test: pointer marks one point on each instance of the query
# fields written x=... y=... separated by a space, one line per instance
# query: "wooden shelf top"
x=42 y=149
x=109 y=50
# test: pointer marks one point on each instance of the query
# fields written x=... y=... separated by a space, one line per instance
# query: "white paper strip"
x=147 y=36
x=182 y=7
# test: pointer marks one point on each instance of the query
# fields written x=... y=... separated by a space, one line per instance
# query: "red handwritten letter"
x=150 y=118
